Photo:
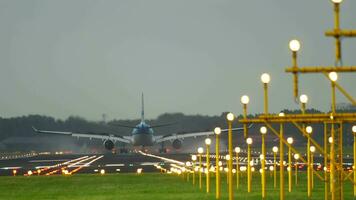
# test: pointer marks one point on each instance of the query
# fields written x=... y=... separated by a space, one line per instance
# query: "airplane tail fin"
x=142 y=109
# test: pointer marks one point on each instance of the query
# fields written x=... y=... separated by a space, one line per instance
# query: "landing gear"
x=124 y=149
x=162 y=149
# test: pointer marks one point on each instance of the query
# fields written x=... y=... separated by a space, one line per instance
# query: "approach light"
x=237 y=149
x=290 y=140
x=309 y=129
x=200 y=150
x=354 y=128
x=312 y=149
x=330 y=140
x=227 y=157
x=263 y=130
x=217 y=130
x=230 y=117
x=249 y=140
x=102 y=171
x=303 y=98
x=245 y=99
x=294 y=45
x=281 y=114
x=336 y=1
x=194 y=157
x=207 y=141
x=333 y=76
x=275 y=149
x=265 y=78
x=296 y=156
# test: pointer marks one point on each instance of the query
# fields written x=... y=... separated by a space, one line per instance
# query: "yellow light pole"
x=245 y=100
x=290 y=142
x=207 y=143
x=281 y=159
x=354 y=167
x=237 y=151
x=263 y=131
x=337 y=28
x=200 y=151
x=333 y=78
x=294 y=46
x=312 y=150
x=217 y=132
x=227 y=158
x=275 y=150
x=194 y=159
x=265 y=78
x=230 y=117
x=249 y=142
x=296 y=157
x=188 y=164
x=309 y=130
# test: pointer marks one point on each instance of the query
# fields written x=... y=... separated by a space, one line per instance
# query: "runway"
x=56 y=164
x=83 y=163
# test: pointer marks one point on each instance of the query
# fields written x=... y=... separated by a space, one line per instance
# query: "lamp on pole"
x=249 y=142
x=207 y=143
x=245 y=100
x=194 y=159
x=263 y=131
x=309 y=130
x=312 y=150
x=296 y=157
x=265 y=78
x=275 y=150
x=200 y=152
x=230 y=118
x=217 y=132
x=281 y=159
x=237 y=151
x=188 y=164
x=294 y=46
x=290 y=142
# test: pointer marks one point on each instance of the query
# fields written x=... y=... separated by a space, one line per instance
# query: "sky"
x=89 y=57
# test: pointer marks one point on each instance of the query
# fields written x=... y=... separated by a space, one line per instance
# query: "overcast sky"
x=89 y=57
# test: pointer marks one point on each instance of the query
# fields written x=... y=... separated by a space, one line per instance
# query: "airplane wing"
x=102 y=136
x=186 y=135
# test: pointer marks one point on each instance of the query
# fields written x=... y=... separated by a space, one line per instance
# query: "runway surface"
x=52 y=164
x=83 y=163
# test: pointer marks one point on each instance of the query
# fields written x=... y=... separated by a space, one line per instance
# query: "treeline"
x=180 y=123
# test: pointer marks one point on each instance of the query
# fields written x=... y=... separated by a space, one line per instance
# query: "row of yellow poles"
x=263 y=131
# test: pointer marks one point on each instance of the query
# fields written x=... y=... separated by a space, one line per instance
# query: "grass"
x=146 y=186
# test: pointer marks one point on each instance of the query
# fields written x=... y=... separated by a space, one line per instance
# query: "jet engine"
x=109 y=145
x=177 y=144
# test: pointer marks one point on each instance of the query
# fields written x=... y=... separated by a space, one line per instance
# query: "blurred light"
x=265 y=78
x=194 y=157
x=207 y=141
x=237 y=149
x=249 y=140
x=309 y=129
x=263 y=130
x=217 y=130
x=230 y=117
x=102 y=171
x=200 y=150
x=294 y=45
x=333 y=76
x=245 y=99
x=275 y=149
x=290 y=140
x=303 y=98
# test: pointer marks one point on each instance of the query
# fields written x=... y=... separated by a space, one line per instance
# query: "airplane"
x=142 y=135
